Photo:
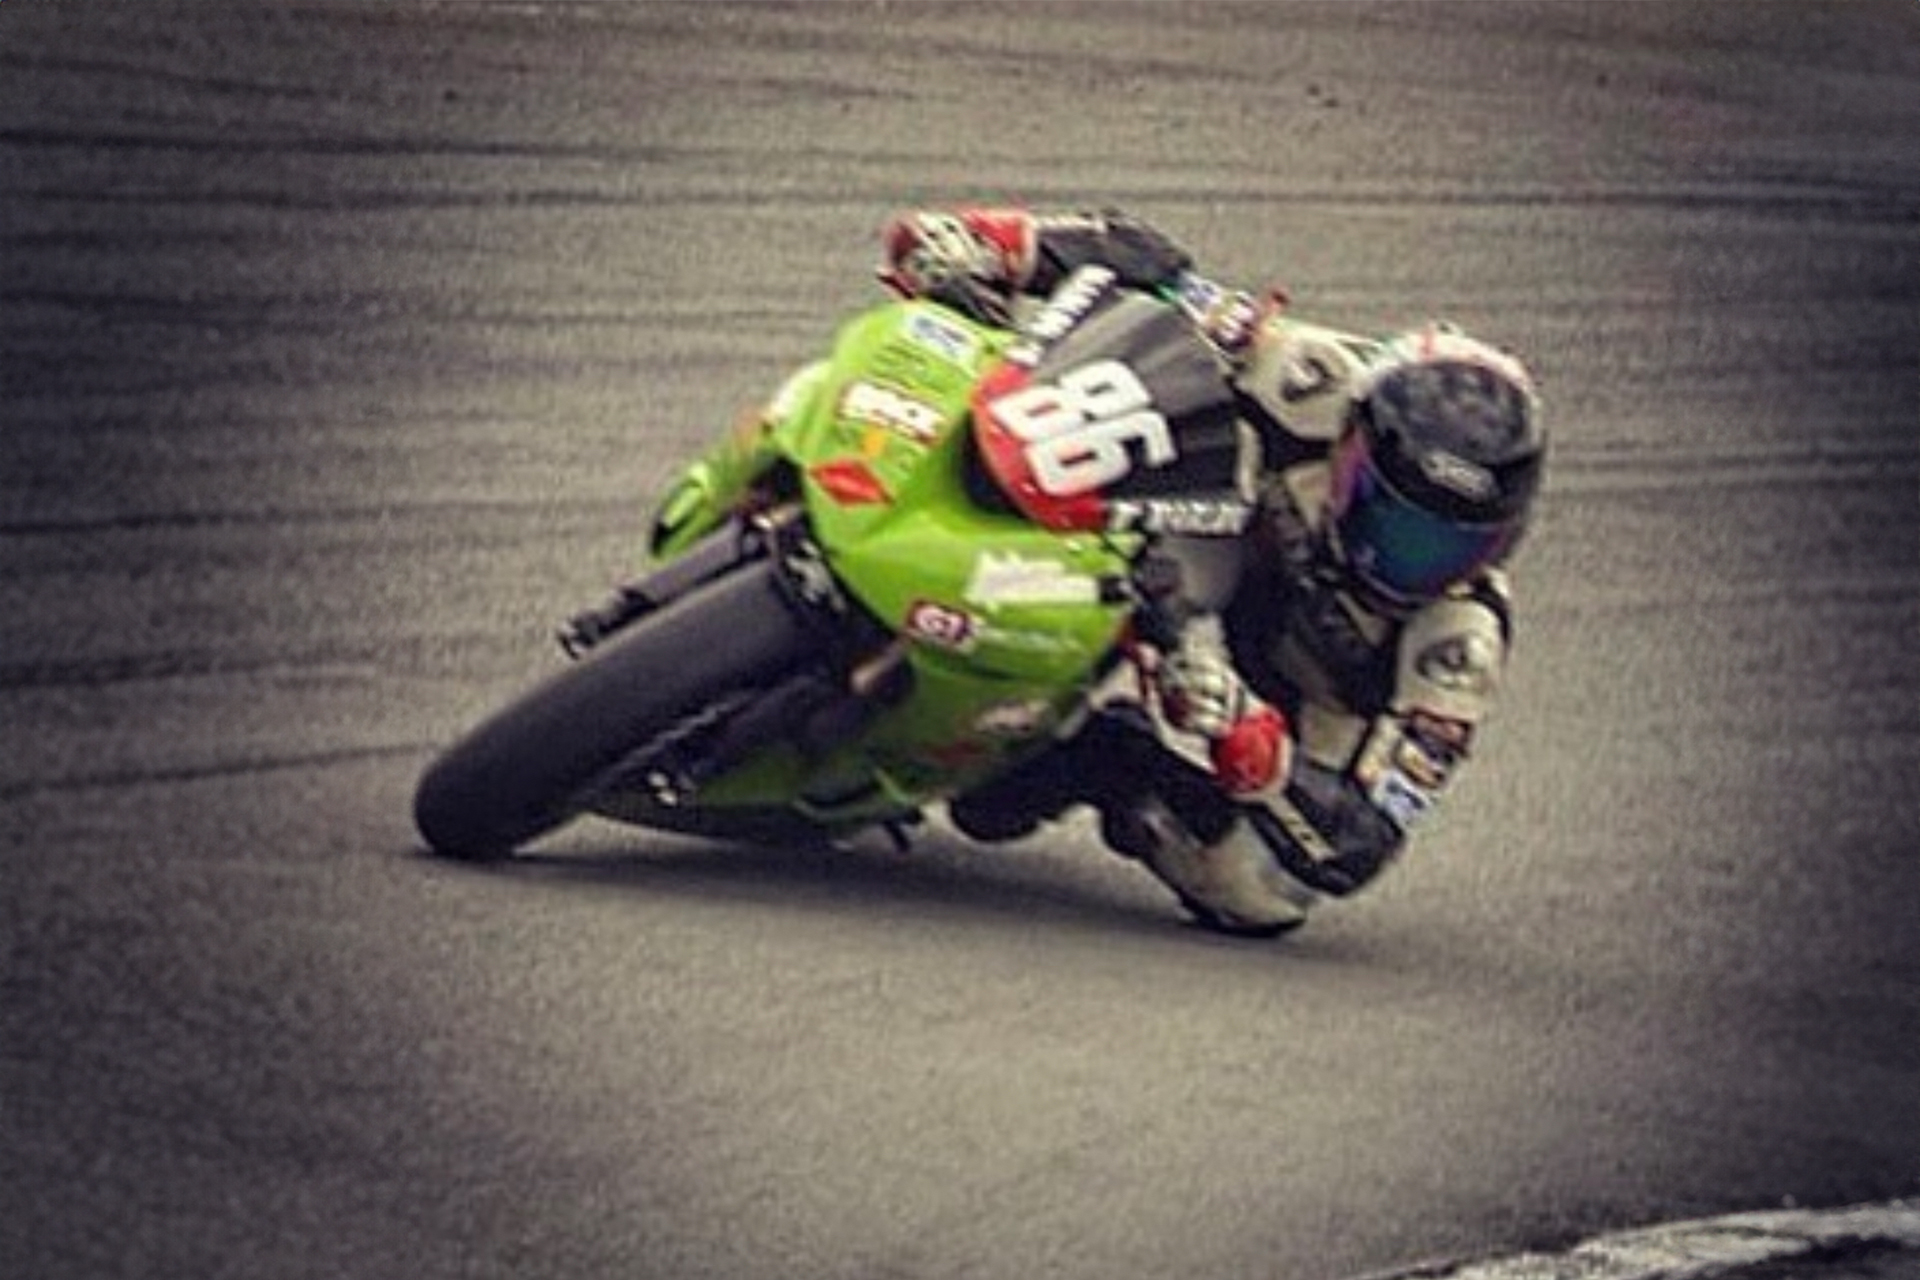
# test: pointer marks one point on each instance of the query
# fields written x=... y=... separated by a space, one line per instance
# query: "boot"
x=1013 y=806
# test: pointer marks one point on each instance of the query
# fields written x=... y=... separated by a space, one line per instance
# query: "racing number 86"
x=1077 y=428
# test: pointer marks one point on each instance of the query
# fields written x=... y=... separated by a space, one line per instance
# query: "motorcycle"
x=940 y=566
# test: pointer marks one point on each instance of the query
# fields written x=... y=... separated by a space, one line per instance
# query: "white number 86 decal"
x=1077 y=428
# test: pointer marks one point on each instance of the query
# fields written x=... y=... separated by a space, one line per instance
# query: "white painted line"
x=1700 y=1248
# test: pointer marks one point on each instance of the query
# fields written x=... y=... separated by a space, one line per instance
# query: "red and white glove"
x=1247 y=740
x=929 y=253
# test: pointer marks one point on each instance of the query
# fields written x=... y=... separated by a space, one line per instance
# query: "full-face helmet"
x=1435 y=467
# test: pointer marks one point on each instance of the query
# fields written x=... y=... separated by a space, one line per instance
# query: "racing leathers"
x=1286 y=732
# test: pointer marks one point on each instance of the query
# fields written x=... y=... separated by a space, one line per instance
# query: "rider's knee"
x=1230 y=882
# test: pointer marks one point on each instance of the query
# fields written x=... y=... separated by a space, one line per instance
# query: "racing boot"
x=1232 y=885
x=1094 y=766
x=1013 y=806
x=1178 y=824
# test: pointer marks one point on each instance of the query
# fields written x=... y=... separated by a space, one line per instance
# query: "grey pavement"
x=347 y=346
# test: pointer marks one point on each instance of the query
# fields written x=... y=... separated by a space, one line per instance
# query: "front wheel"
x=529 y=767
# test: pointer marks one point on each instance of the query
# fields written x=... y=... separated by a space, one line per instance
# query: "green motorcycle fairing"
x=1008 y=624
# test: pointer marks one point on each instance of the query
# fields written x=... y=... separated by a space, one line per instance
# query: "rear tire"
x=528 y=768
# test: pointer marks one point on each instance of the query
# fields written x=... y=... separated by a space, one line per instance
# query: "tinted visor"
x=1396 y=548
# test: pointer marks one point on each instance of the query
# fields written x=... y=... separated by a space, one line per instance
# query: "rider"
x=1361 y=644
x=1309 y=696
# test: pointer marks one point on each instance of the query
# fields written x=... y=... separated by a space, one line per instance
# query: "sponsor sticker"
x=1043 y=643
x=937 y=625
x=1452 y=472
x=849 y=482
x=1402 y=800
x=1401 y=773
x=1014 y=579
x=943 y=338
x=1066 y=308
x=1021 y=719
x=1446 y=733
x=1196 y=517
x=1417 y=766
x=1301 y=831
x=874 y=405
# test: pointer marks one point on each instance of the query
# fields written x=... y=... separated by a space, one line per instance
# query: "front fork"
x=737 y=542
x=860 y=667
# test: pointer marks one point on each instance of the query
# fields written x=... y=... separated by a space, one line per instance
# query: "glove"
x=940 y=256
x=1247 y=740
x=1142 y=255
x=1200 y=693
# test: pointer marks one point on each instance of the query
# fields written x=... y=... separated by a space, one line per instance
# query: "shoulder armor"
x=1491 y=589
x=1300 y=373
x=1452 y=653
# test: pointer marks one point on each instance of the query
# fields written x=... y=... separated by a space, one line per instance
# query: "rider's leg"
x=1232 y=883
x=1174 y=819
x=1097 y=763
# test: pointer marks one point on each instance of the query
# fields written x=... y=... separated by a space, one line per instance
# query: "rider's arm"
x=955 y=257
x=1336 y=828
x=1182 y=583
x=1026 y=252
x=1140 y=254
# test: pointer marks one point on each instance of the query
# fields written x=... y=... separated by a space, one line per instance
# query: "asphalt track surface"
x=344 y=346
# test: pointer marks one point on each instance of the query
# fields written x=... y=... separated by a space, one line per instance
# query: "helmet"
x=1435 y=467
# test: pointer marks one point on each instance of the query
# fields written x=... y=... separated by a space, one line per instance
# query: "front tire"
x=527 y=769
